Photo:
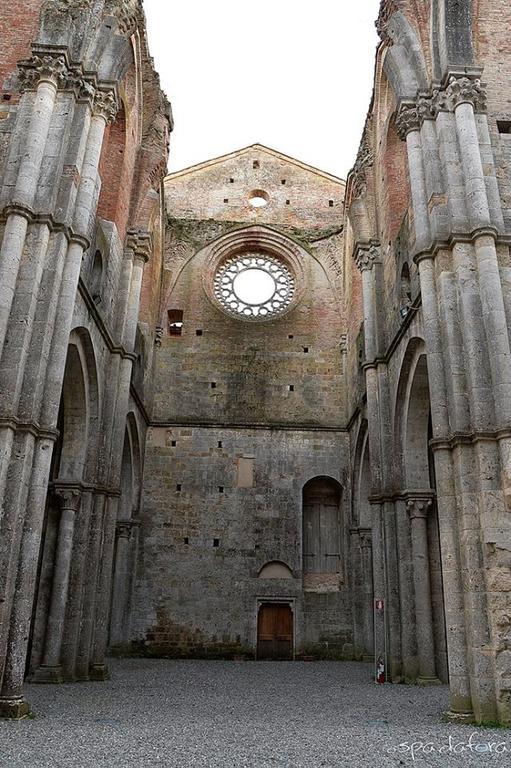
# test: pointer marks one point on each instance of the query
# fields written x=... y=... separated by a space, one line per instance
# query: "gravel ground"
x=230 y=714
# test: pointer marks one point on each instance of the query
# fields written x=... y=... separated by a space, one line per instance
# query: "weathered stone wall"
x=204 y=536
x=207 y=531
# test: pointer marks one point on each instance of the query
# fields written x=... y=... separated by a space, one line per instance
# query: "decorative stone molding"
x=366 y=538
x=106 y=105
x=158 y=335
x=418 y=507
x=387 y=10
x=365 y=159
x=124 y=528
x=366 y=256
x=407 y=119
x=126 y=12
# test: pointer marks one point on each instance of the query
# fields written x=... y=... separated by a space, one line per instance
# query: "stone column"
x=98 y=669
x=408 y=123
x=12 y=702
x=418 y=511
x=124 y=530
x=44 y=74
x=141 y=244
x=366 y=549
x=90 y=588
x=51 y=671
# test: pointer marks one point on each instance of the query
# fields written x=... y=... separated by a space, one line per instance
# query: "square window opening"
x=216 y=542
x=175 y=322
x=504 y=126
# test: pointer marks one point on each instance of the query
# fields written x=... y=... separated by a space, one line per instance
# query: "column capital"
x=140 y=241
x=51 y=67
x=407 y=119
x=419 y=506
x=69 y=496
x=366 y=538
x=123 y=529
x=158 y=335
x=461 y=89
x=367 y=255
x=106 y=105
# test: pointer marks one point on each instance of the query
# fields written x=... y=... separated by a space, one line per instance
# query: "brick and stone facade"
x=175 y=475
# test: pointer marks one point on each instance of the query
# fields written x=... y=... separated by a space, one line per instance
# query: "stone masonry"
x=249 y=409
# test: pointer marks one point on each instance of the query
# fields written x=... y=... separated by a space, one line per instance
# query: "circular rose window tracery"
x=254 y=285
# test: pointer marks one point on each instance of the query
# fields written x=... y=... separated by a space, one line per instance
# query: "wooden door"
x=275 y=631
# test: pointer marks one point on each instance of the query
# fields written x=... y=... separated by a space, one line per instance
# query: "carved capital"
x=69 y=497
x=106 y=105
x=366 y=538
x=140 y=242
x=418 y=508
x=47 y=67
x=158 y=335
x=124 y=528
x=407 y=120
x=366 y=256
x=84 y=89
x=466 y=90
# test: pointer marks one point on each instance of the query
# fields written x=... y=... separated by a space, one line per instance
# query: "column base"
x=48 y=675
x=14 y=709
x=458 y=718
x=99 y=672
x=428 y=681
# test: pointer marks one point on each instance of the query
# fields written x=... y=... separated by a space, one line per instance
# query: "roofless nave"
x=249 y=409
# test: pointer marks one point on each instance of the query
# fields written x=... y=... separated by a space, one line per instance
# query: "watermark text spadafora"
x=453 y=746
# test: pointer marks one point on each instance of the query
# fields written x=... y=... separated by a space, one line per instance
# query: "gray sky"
x=293 y=75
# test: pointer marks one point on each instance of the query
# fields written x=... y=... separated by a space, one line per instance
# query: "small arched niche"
x=275 y=569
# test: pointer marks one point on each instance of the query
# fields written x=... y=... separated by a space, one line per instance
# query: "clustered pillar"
x=447 y=137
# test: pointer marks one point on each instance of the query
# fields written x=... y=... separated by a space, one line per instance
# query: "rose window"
x=254 y=285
